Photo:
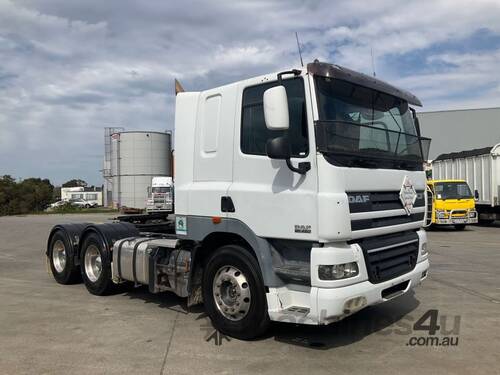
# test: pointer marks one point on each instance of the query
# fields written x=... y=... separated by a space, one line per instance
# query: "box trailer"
x=481 y=169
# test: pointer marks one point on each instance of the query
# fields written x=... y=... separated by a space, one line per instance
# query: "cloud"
x=71 y=68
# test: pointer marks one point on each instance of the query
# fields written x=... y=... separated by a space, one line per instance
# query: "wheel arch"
x=72 y=232
x=230 y=231
x=108 y=233
x=216 y=240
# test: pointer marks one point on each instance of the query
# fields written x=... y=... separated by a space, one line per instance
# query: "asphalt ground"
x=54 y=329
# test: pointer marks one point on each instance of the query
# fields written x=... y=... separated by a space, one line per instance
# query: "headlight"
x=338 y=271
x=423 y=250
x=441 y=214
x=472 y=214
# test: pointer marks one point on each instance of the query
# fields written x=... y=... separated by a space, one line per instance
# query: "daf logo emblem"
x=407 y=195
x=362 y=198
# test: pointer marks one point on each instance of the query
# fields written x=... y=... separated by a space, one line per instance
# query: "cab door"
x=213 y=151
x=267 y=196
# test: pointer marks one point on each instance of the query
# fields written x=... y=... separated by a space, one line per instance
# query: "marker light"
x=423 y=250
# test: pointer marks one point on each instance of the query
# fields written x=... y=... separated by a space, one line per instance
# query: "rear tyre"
x=459 y=226
x=61 y=259
x=96 y=266
x=234 y=293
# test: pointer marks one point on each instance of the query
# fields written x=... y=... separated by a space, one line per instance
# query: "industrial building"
x=90 y=194
x=131 y=160
x=460 y=130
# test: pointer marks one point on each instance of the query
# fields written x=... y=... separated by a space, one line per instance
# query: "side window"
x=254 y=133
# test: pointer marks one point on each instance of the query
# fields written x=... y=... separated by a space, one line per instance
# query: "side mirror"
x=276 y=108
x=278 y=148
x=476 y=195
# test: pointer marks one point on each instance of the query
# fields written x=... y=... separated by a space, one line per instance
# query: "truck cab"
x=452 y=203
x=160 y=195
x=320 y=171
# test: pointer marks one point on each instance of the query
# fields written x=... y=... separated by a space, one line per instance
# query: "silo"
x=136 y=157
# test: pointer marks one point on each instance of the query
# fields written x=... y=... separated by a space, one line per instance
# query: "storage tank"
x=136 y=157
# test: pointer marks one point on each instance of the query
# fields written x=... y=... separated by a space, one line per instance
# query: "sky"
x=70 y=68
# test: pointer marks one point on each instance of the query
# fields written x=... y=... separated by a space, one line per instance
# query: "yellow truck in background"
x=452 y=203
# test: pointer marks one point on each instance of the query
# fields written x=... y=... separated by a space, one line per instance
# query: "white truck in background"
x=299 y=198
x=160 y=195
x=481 y=169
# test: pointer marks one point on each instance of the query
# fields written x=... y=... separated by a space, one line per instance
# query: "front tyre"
x=234 y=293
x=96 y=266
x=61 y=259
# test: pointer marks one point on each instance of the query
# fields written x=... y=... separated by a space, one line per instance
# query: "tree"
x=37 y=193
x=75 y=183
x=7 y=193
x=29 y=195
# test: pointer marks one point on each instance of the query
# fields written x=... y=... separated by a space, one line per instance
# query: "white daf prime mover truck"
x=299 y=198
x=160 y=195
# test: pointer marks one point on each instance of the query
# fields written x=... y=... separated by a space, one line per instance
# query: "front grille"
x=385 y=221
x=382 y=201
x=389 y=256
x=379 y=201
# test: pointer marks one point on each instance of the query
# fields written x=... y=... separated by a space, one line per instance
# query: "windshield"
x=359 y=126
x=452 y=190
x=161 y=190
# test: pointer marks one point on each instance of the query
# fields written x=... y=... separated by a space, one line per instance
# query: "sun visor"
x=339 y=72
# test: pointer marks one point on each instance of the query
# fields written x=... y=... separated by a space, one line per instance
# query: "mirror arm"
x=416 y=121
x=303 y=167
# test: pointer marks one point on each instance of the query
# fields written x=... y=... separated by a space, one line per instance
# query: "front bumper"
x=325 y=302
x=320 y=306
x=335 y=304
x=162 y=208
x=453 y=220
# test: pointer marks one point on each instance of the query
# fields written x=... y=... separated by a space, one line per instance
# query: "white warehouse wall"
x=460 y=130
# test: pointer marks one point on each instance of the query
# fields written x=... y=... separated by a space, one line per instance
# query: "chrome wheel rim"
x=59 y=256
x=231 y=293
x=93 y=263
